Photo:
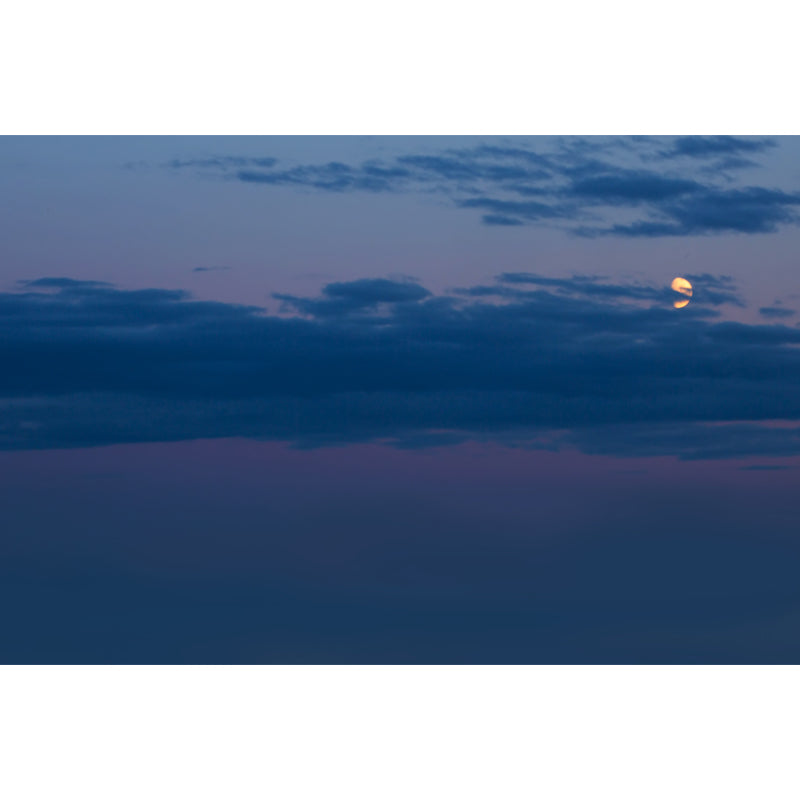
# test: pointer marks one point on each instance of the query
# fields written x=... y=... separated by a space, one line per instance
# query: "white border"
x=397 y=733
x=423 y=66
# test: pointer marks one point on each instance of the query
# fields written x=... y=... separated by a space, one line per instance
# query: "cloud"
x=529 y=361
x=340 y=299
x=64 y=284
x=749 y=210
x=625 y=186
x=692 y=442
x=708 y=289
x=521 y=209
x=713 y=146
x=332 y=177
x=220 y=162
x=500 y=219
x=579 y=185
x=724 y=282
x=210 y=269
x=776 y=312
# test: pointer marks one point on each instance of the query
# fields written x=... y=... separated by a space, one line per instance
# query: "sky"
x=399 y=399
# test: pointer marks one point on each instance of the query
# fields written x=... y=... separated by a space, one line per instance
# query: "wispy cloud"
x=776 y=312
x=708 y=289
x=704 y=147
x=684 y=186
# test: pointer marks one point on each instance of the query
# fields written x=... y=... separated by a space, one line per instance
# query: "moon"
x=682 y=286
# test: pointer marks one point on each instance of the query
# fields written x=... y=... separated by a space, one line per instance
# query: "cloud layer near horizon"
x=631 y=187
x=528 y=361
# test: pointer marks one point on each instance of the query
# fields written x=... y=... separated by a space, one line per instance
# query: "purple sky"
x=71 y=207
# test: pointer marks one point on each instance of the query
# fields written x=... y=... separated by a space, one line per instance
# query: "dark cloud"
x=708 y=289
x=64 y=283
x=749 y=210
x=458 y=168
x=220 y=162
x=370 y=291
x=340 y=299
x=690 y=442
x=776 y=312
x=622 y=186
x=332 y=177
x=724 y=166
x=724 y=282
x=499 y=219
x=572 y=283
x=210 y=269
x=526 y=209
x=566 y=286
x=540 y=362
x=577 y=184
x=713 y=146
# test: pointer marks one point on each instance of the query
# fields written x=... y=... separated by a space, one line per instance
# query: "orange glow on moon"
x=682 y=286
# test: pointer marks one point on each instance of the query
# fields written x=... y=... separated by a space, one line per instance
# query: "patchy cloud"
x=367 y=294
x=712 y=146
x=623 y=186
x=529 y=361
x=579 y=185
x=750 y=210
x=708 y=289
x=776 y=312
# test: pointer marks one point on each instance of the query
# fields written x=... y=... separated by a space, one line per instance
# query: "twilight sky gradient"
x=399 y=399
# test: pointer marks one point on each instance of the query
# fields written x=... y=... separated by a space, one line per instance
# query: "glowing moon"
x=682 y=286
